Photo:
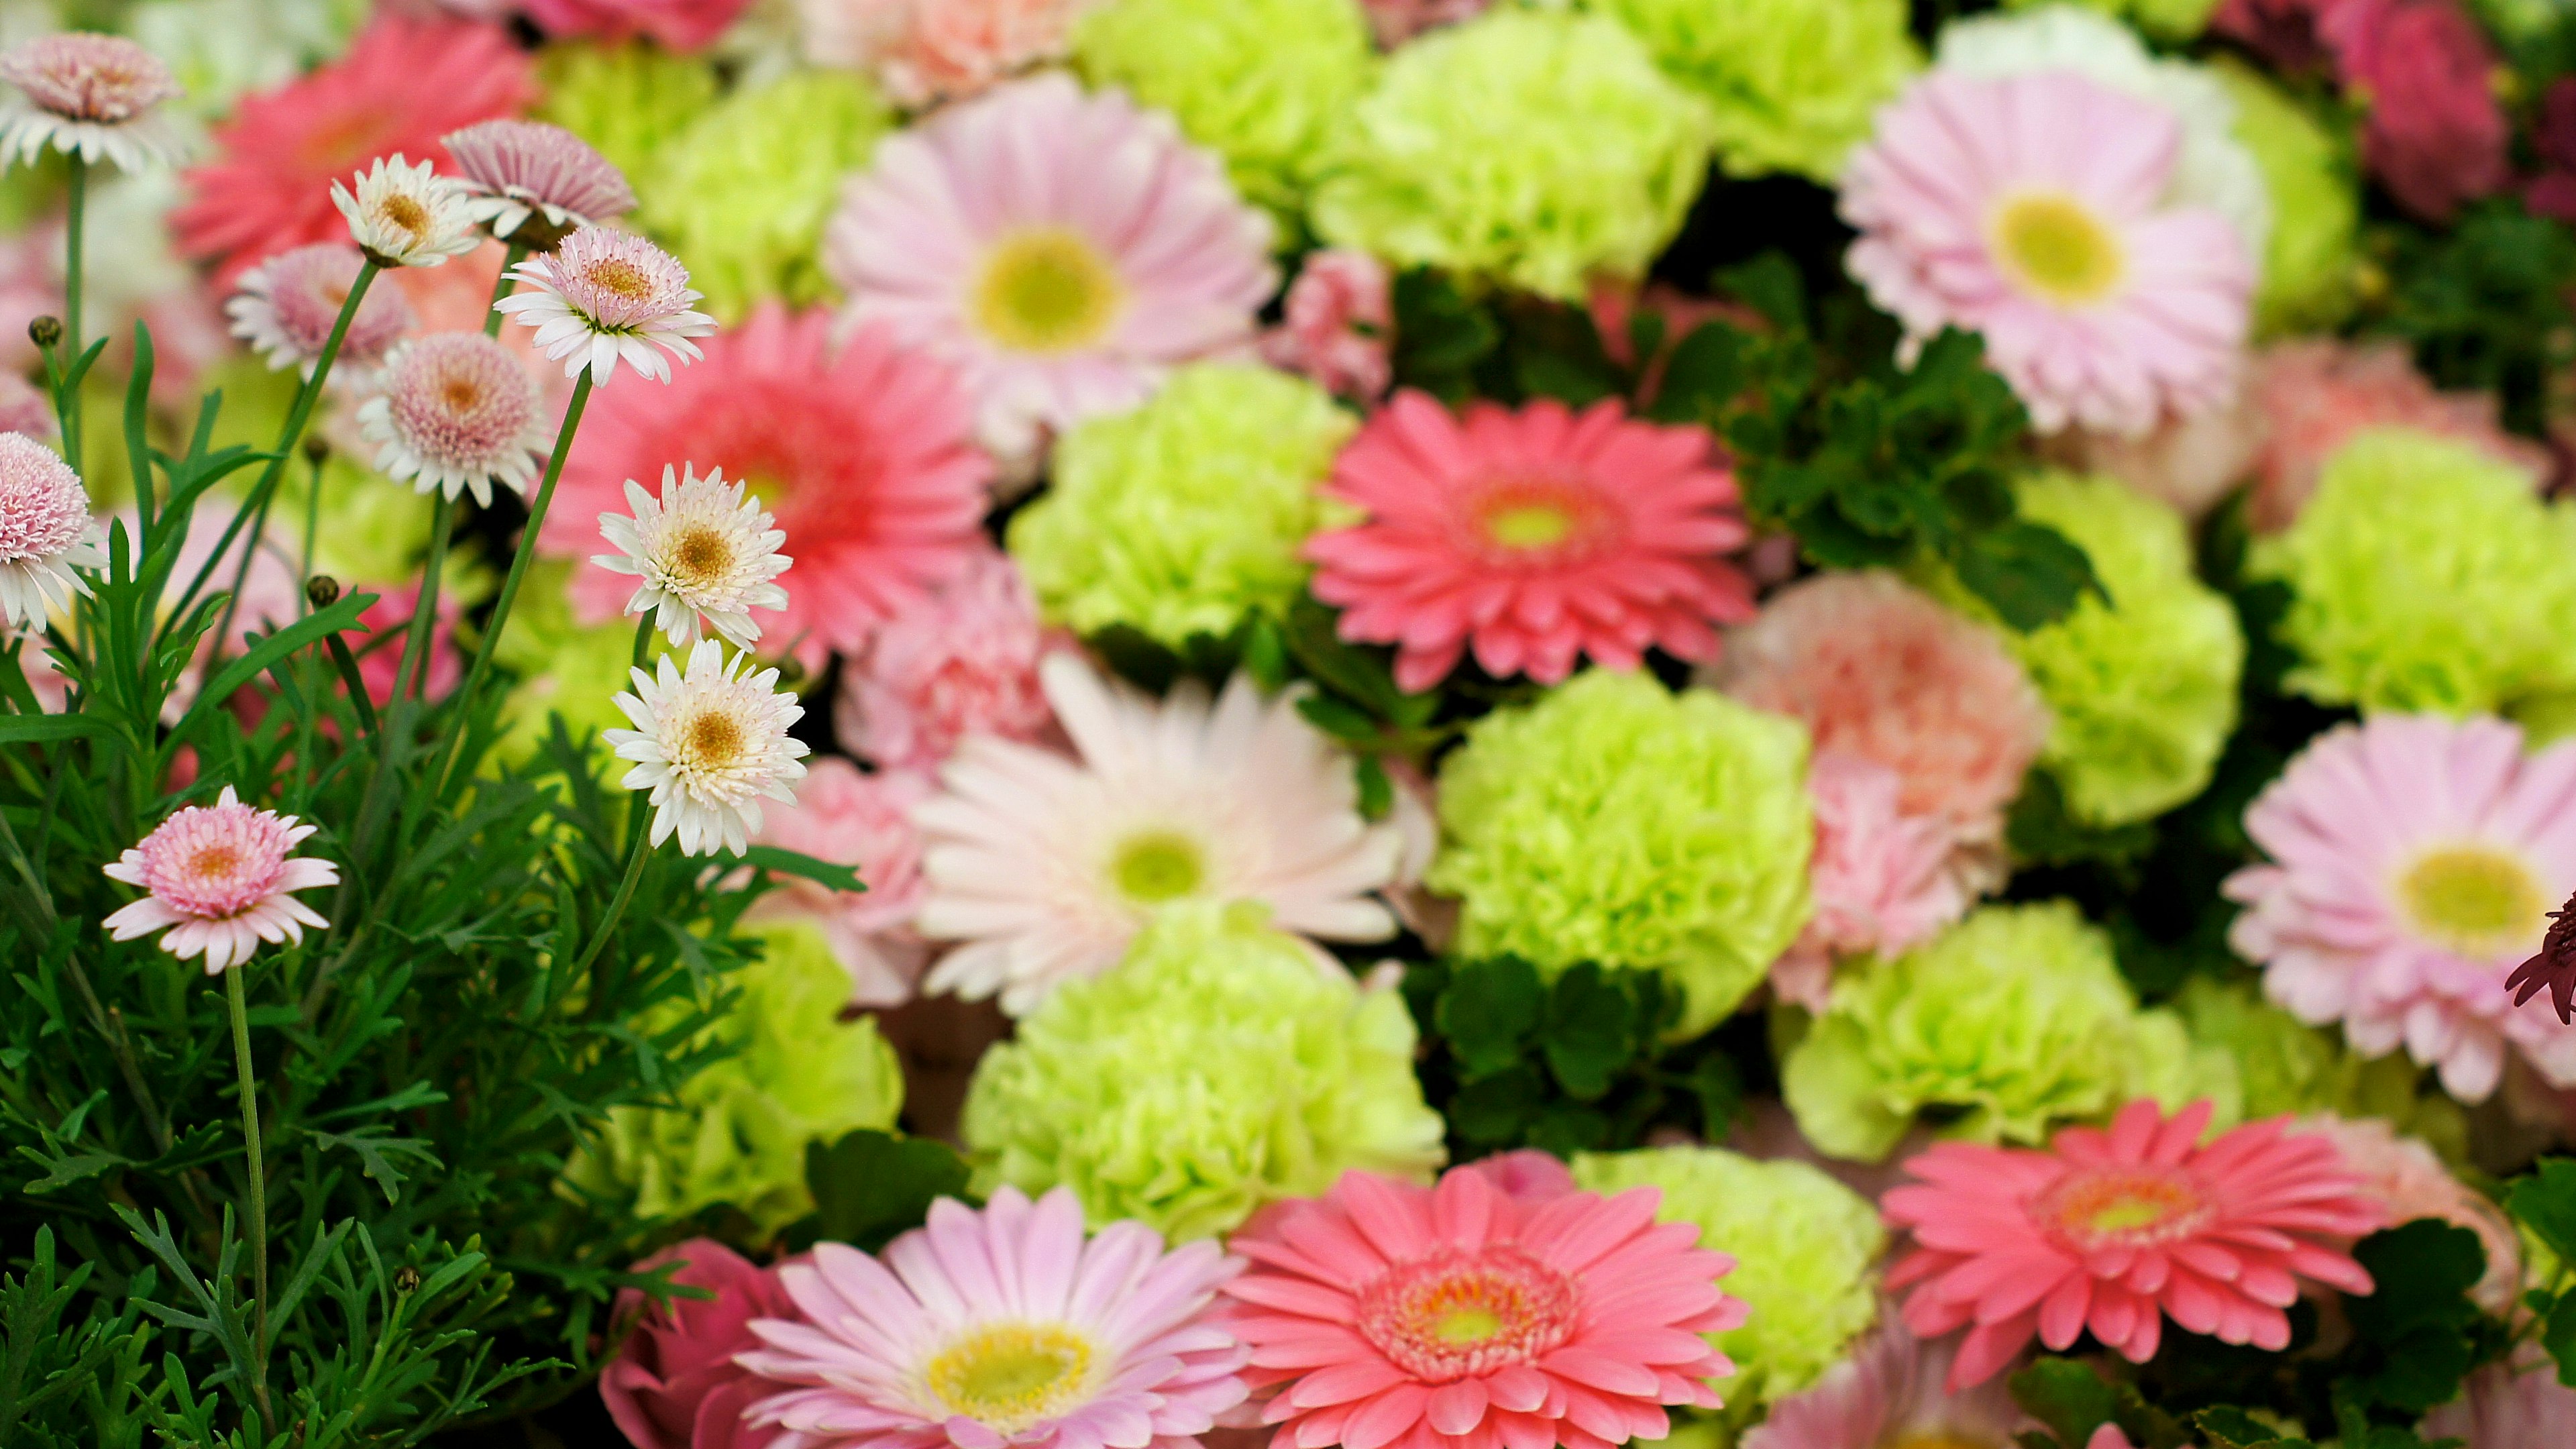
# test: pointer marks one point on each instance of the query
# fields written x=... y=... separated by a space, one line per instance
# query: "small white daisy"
x=286 y=307
x=710 y=744
x=407 y=215
x=706 y=554
x=45 y=531
x=524 y=169
x=90 y=96
x=457 y=410
x=606 y=296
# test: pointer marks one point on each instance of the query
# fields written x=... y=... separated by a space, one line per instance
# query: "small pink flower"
x=220 y=877
x=925 y=51
x=524 y=169
x=962 y=661
x=1340 y=318
x=674 y=1383
x=2410 y=1183
x=684 y=26
x=1884 y=881
x=90 y=95
x=1397 y=21
x=1891 y=1392
x=862 y=821
x=2519 y=1404
x=46 y=533
x=2436 y=136
x=2316 y=394
x=603 y=297
x=286 y=307
x=24 y=408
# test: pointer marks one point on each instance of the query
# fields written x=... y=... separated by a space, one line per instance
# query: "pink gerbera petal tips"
x=1462 y=1317
x=221 y=878
x=2116 y=1230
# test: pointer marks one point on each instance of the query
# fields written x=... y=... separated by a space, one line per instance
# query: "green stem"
x=502 y=286
x=416 y=649
x=258 y=1163
x=636 y=852
x=74 y=256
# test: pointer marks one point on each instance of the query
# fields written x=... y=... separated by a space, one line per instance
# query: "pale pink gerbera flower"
x=1532 y=537
x=862 y=821
x=936 y=50
x=605 y=297
x=1062 y=250
x=962 y=661
x=1340 y=322
x=90 y=96
x=2314 y=395
x=457 y=411
x=286 y=307
x=1044 y=866
x=2410 y=1183
x=1388 y=1314
x=1884 y=881
x=2414 y=863
x=45 y=532
x=524 y=171
x=220 y=877
x=2114 y=1230
x=2030 y=209
x=1002 y=1325
x=1892 y=1392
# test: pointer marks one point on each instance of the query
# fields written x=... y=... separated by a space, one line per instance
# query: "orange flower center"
x=1541 y=521
x=622 y=277
x=1452 y=1315
x=2127 y=1206
x=406 y=213
x=214 y=862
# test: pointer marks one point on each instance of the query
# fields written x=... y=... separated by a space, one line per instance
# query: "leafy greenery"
x=2544 y=1203
x=870 y=1186
x=2486 y=305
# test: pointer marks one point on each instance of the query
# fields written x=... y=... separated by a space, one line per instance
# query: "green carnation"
x=1805 y=1248
x=1259 y=82
x=1536 y=149
x=2011 y=1023
x=627 y=100
x=1793 y=84
x=797 y=1074
x=744 y=192
x=1185 y=515
x=2163 y=19
x=1613 y=821
x=2428 y=576
x=2310 y=262
x=2143 y=687
x=1210 y=1072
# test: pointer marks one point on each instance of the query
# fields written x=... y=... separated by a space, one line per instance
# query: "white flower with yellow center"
x=711 y=743
x=705 y=552
x=405 y=214
x=606 y=297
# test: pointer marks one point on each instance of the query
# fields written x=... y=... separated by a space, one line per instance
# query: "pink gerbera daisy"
x=1002 y=1326
x=1891 y=1392
x=1062 y=250
x=2414 y=863
x=2032 y=209
x=858 y=451
x=220 y=877
x=403 y=84
x=2113 y=1230
x=1461 y=1317
x=1532 y=536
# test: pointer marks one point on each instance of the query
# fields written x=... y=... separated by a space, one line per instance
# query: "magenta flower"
x=684 y=26
x=2436 y=136
x=674 y=1383
x=220 y=877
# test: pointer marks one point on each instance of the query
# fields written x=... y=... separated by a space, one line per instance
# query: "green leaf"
x=1770 y=285
x=2558 y=1335
x=2041 y=831
x=251 y=665
x=870 y=1185
x=2545 y=1202
x=1488 y=1009
x=2028 y=573
x=2069 y=1398
x=2413 y=1330
x=797 y=863
x=1719 y=1087
x=1496 y=1109
x=1590 y=1030
x=25 y=728
x=2229 y=1427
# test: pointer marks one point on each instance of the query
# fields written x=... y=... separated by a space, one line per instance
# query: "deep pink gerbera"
x=860 y=452
x=1532 y=536
x=684 y=26
x=2114 y=1230
x=1463 y=1317
x=404 y=84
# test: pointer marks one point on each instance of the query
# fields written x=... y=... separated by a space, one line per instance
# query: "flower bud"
x=323 y=590
x=45 y=331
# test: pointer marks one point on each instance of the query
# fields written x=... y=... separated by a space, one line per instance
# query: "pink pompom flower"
x=523 y=171
x=46 y=533
x=682 y=26
x=1459 y=1315
x=1884 y=881
x=1003 y=1325
x=862 y=821
x=674 y=1383
x=963 y=661
x=2114 y=1230
x=603 y=297
x=1893 y=1390
x=2414 y=861
x=457 y=411
x=1340 y=318
x=925 y=51
x=2436 y=136
x=1532 y=536
x=2030 y=209
x=286 y=307
x=91 y=96
x=220 y=878
x=2314 y=395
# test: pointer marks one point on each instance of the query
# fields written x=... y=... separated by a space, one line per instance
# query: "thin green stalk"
x=424 y=613
x=502 y=286
x=636 y=852
x=258 y=1205
x=74 y=263
x=312 y=527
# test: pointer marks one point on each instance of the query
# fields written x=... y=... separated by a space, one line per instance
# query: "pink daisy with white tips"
x=221 y=878
x=605 y=297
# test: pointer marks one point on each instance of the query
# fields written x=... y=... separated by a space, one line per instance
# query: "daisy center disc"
x=1047 y=290
x=405 y=212
x=1157 y=866
x=1011 y=1375
x=1457 y=1314
x=700 y=556
x=214 y=863
x=2474 y=901
x=461 y=394
x=621 y=278
x=2115 y=1207
x=2059 y=249
x=714 y=740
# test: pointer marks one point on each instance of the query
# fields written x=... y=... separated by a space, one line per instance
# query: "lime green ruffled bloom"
x=798 y=1074
x=1534 y=149
x=2163 y=19
x=1185 y=515
x=1613 y=821
x=1215 y=1069
x=627 y=100
x=1259 y=82
x=1793 y=84
x=1805 y=1246
x=2427 y=576
x=2016 y=1021
x=2258 y=1061
x=2310 y=263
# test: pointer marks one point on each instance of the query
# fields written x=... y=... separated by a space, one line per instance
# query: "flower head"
x=674 y=1383
x=2552 y=967
x=45 y=532
x=963 y=661
x=605 y=296
x=2316 y=394
x=2310 y=265
x=710 y=744
x=2114 y=1230
x=2506 y=1405
x=1059 y=288
x=863 y=821
x=90 y=96
x=220 y=876
x=286 y=307
x=456 y=410
x=1884 y=881
x=1045 y=867
x=524 y=171
x=1003 y=1324
x=1339 y=322
x=706 y=554
x=1792 y=83
x=682 y=26
x=1891 y=1391
x=2436 y=136
x=1462 y=1312
x=925 y=51
x=406 y=215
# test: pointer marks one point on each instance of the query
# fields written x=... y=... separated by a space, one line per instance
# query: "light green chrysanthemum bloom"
x=2143 y=688
x=1215 y=1069
x=2016 y=1021
x=1615 y=822
x=2310 y=261
x=798 y=1075
x=2163 y=19
x=1185 y=515
x=1535 y=149
x=2427 y=577
x=2268 y=1063
x=744 y=192
x=628 y=101
x=1259 y=82
x=1806 y=1249
x=1793 y=84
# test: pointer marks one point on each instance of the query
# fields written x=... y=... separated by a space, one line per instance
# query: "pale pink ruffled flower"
x=863 y=821
x=2515 y=1405
x=936 y=50
x=605 y=297
x=220 y=878
x=963 y=661
x=286 y=307
x=2410 y=1182
x=2030 y=209
x=1884 y=881
x=2413 y=861
x=2188 y=464
x=94 y=96
x=1397 y=21
x=1892 y=1391
x=457 y=413
x=1340 y=318
x=2315 y=394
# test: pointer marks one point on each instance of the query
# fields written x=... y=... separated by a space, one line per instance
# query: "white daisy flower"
x=706 y=554
x=407 y=215
x=45 y=531
x=710 y=744
x=606 y=296
x=457 y=410
x=91 y=96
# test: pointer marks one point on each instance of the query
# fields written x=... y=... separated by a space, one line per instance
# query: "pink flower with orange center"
x=221 y=877
x=93 y=96
x=286 y=307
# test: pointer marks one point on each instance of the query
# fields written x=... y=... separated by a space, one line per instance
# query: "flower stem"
x=258 y=1205
x=636 y=851
x=74 y=254
x=424 y=613
x=502 y=286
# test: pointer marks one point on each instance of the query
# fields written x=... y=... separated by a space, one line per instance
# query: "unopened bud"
x=406 y=1279
x=45 y=331
x=316 y=448
x=323 y=590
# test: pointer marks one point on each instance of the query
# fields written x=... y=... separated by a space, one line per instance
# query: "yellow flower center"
x=1157 y=866
x=214 y=862
x=618 y=275
x=2059 y=249
x=405 y=212
x=1010 y=1375
x=1453 y=1314
x=1047 y=290
x=699 y=556
x=1528 y=525
x=461 y=394
x=713 y=740
x=2118 y=1206
x=2473 y=900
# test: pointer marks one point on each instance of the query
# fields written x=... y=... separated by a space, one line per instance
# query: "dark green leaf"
x=1590 y=1030
x=2068 y=1397
x=870 y=1186
x=2545 y=1202
x=797 y=863
x=2028 y=573
x=1487 y=1011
